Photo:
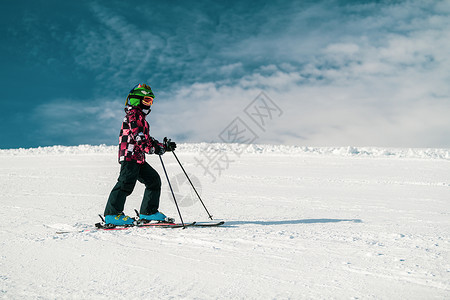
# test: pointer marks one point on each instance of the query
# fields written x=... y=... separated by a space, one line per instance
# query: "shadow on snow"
x=292 y=222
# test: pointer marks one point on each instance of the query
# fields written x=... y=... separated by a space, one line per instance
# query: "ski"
x=100 y=226
x=208 y=224
x=166 y=225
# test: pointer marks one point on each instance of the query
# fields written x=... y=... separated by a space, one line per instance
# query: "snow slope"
x=301 y=223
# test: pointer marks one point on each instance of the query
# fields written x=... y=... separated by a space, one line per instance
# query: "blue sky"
x=360 y=73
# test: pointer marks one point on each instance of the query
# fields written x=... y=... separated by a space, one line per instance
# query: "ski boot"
x=119 y=220
x=159 y=217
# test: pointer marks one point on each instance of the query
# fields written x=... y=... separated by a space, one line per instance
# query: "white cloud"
x=364 y=75
x=116 y=50
x=75 y=122
x=392 y=91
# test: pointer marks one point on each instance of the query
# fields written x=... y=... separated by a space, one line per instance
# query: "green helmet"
x=140 y=94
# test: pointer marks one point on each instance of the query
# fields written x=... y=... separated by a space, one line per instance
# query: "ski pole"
x=192 y=185
x=173 y=195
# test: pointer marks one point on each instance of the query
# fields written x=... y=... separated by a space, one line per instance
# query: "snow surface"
x=301 y=223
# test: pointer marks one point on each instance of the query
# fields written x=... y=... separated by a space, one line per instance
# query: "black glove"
x=159 y=148
x=169 y=145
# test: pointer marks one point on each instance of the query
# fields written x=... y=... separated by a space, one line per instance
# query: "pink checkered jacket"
x=134 y=138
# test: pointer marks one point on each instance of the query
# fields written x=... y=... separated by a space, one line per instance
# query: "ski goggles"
x=147 y=101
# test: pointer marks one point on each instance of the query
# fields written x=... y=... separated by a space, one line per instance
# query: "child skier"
x=134 y=142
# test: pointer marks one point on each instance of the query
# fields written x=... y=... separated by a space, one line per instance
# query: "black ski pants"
x=130 y=172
